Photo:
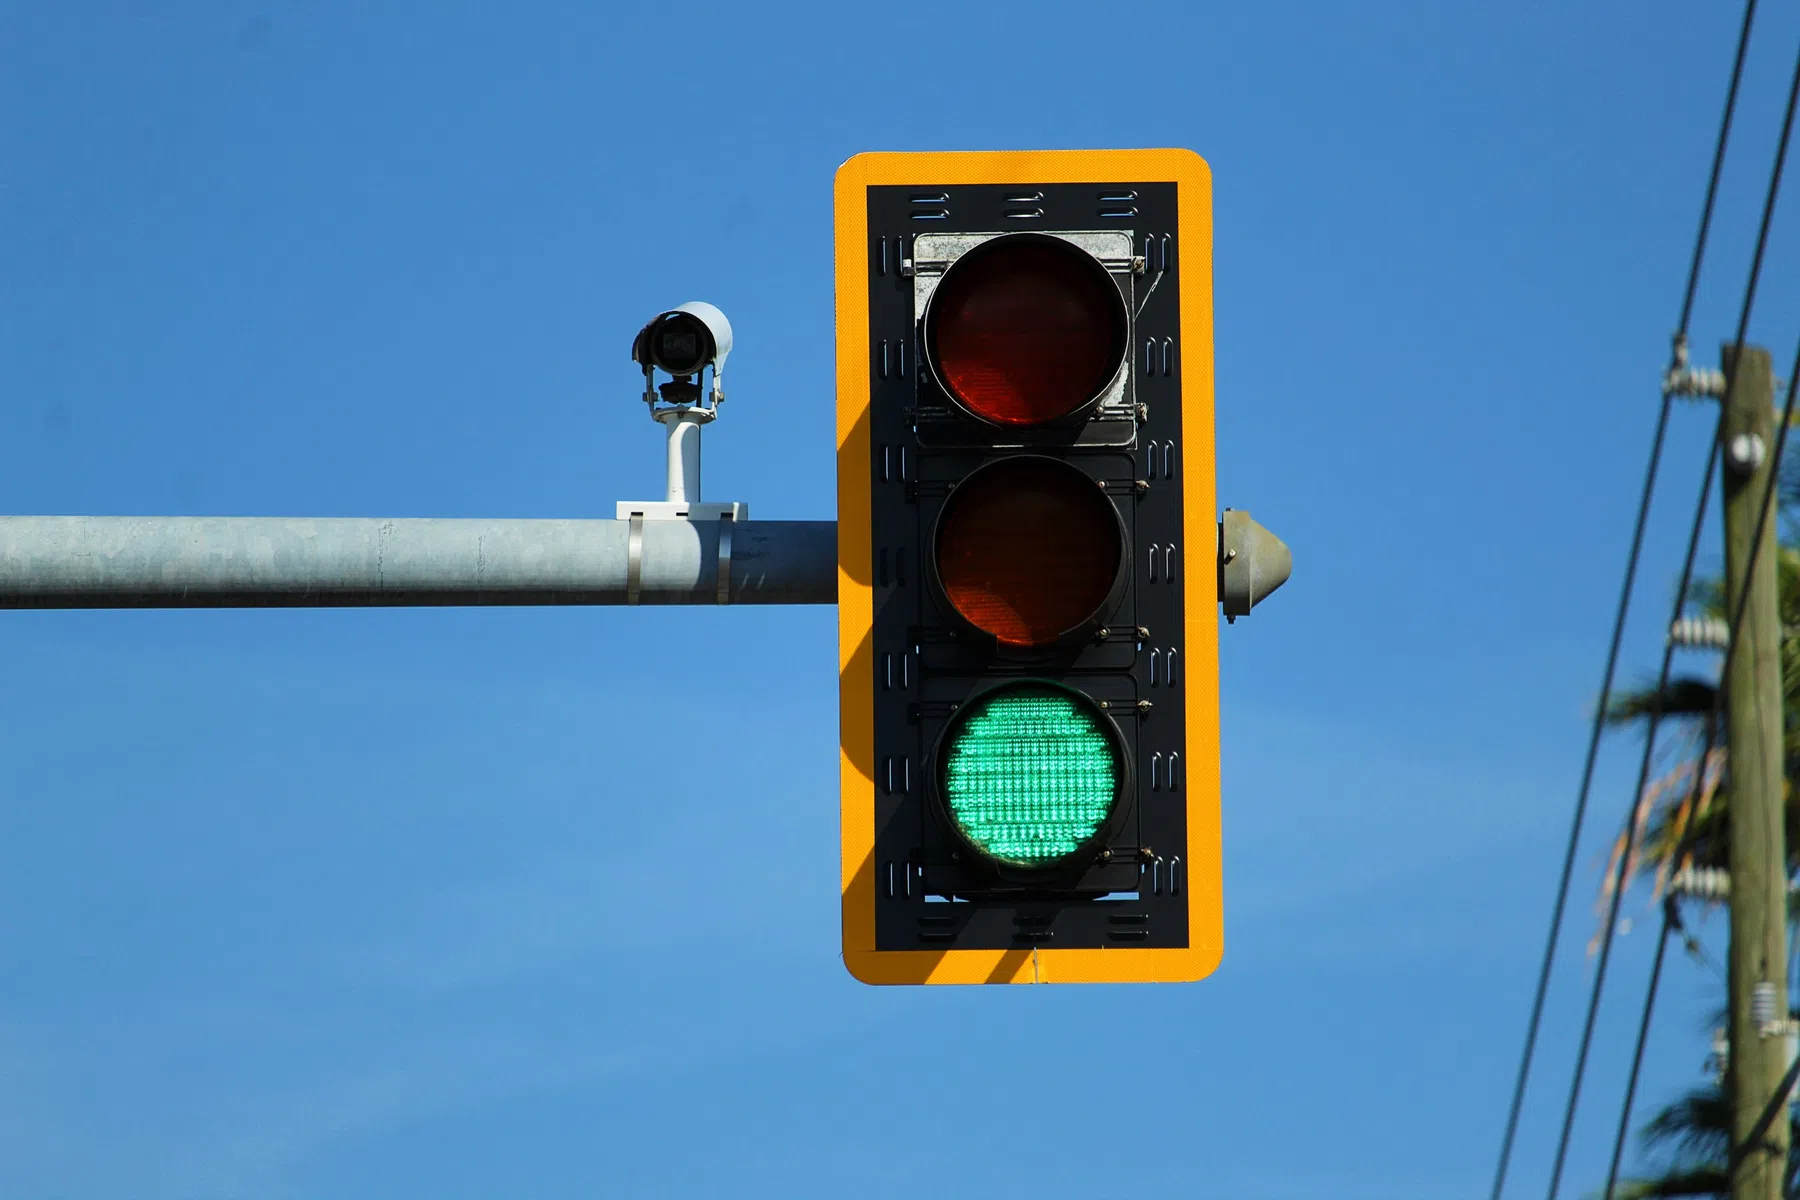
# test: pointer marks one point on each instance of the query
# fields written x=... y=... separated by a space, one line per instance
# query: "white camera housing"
x=683 y=342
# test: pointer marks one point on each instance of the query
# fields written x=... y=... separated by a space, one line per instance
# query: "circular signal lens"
x=1026 y=329
x=1031 y=774
x=1029 y=550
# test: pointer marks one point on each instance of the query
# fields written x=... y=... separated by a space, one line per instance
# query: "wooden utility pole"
x=1759 y=1001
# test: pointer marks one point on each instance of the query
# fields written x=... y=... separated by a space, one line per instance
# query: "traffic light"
x=1029 y=567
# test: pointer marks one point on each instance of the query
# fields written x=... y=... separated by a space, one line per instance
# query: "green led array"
x=1031 y=775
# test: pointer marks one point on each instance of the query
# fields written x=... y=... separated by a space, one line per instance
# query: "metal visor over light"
x=1029 y=551
x=1026 y=329
x=1031 y=775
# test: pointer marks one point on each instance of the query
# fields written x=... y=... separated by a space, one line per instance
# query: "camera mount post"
x=684 y=425
x=681 y=407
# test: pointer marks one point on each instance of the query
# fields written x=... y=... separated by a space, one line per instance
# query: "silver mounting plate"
x=681 y=510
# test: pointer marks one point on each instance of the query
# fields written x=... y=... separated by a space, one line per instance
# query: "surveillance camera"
x=684 y=341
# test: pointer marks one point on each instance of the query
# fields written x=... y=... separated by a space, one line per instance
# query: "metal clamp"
x=634 y=559
x=725 y=524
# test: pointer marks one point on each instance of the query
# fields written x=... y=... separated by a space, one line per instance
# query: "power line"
x=1612 y=912
x=1712 y=183
x=1670 y=917
x=1618 y=633
x=1687 y=571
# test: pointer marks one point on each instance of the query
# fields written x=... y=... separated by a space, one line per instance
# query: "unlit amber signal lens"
x=1026 y=329
x=1029 y=550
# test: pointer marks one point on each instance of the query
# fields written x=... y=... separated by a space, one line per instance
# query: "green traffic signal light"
x=1032 y=774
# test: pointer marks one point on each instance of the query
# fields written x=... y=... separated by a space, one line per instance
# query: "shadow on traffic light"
x=859 y=670
x=1012 y=966
x=850 y=450
x=859 y=744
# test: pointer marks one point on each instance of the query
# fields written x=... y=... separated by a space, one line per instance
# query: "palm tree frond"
x=1697 y=1126
x=1704 y=1182
x=1680 y=698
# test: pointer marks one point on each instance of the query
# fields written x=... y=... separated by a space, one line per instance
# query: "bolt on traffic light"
x=1030 y=567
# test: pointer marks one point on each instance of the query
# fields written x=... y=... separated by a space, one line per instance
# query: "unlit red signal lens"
x=1031 y=774
x=1029 y=550
x=1026 y=329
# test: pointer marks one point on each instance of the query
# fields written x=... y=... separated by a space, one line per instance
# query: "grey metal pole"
x=266 y=562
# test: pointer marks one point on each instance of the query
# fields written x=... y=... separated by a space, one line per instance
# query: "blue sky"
x=467 y=903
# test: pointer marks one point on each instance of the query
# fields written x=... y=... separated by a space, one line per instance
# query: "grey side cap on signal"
x=1252 y=563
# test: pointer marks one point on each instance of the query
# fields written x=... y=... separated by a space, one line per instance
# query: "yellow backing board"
x=855 y=597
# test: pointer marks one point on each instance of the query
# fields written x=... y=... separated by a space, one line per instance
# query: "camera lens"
x=680 y=344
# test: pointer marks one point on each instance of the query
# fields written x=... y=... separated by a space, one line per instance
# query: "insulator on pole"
x=1703 y=633
x=1701 y=883
x=1694 y=382
x=1708 y=883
